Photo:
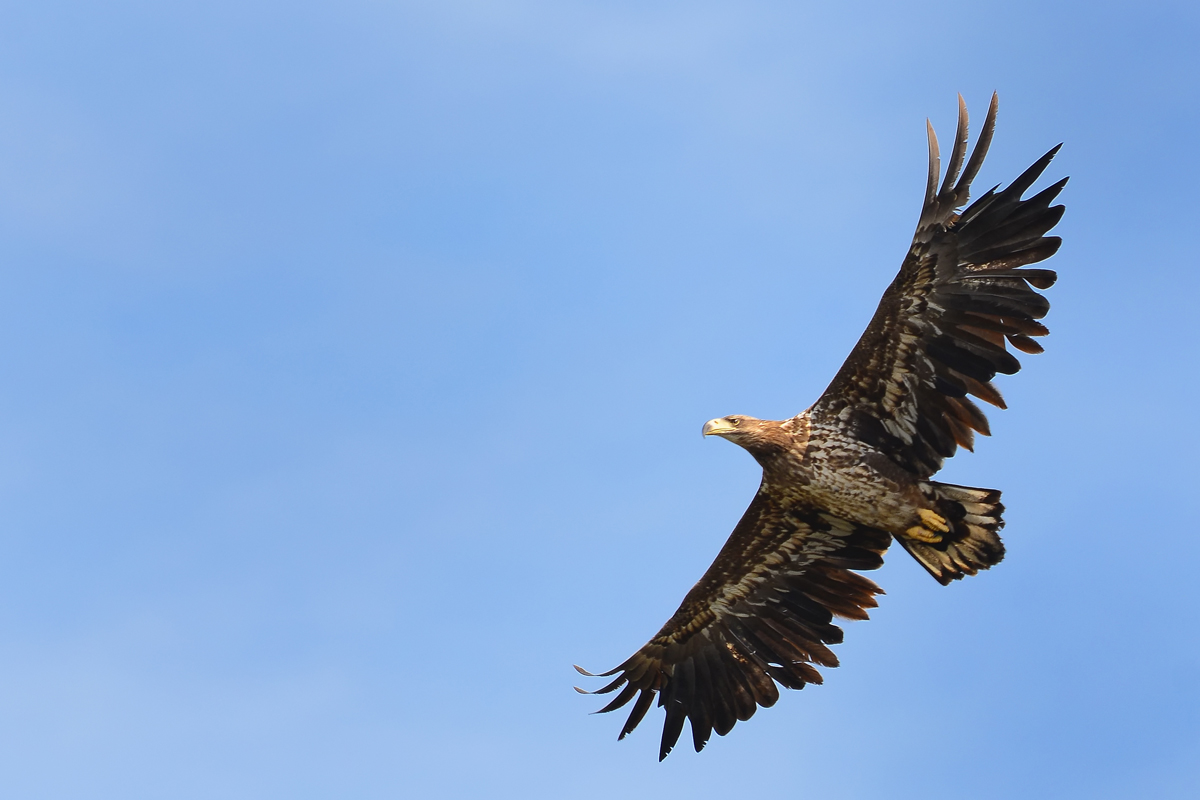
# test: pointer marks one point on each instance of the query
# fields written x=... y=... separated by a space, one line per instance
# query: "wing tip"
x=608 y=674
x=935 y=163
x=957 y=153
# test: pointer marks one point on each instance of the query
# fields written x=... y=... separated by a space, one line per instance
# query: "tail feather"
x=973 y=543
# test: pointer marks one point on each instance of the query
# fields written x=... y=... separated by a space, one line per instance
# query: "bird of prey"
x=845 y=477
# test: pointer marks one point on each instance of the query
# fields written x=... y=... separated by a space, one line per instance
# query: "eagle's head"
x=761 y=437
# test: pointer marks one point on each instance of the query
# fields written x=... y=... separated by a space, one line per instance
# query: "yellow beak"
x=717 y=427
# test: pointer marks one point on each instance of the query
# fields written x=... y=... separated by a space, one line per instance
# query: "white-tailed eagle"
x=845 y=477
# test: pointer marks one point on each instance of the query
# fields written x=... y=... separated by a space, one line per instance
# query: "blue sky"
x=355 y=356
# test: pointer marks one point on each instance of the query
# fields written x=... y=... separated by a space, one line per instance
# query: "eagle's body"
x=846 y=476
x=815 y=467
x=824 y=468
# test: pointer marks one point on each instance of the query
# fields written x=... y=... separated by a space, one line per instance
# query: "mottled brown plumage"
x=843 y=478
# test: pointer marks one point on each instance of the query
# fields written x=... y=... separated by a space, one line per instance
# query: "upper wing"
x=759 y=615
x=939 y=332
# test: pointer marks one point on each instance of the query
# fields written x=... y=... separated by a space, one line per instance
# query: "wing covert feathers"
x=942 y=330
x=760 y=616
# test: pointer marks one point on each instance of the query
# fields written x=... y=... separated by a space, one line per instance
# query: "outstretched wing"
x=760 y=615
x=940 y=330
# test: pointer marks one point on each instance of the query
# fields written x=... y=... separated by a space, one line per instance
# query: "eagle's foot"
x=932 y=526
x=923 y=535
x=933 y=520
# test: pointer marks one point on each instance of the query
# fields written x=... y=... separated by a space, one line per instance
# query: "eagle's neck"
x=779 y=446
x=770 y=441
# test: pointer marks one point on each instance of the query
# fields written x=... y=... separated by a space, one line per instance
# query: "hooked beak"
x=717 y=427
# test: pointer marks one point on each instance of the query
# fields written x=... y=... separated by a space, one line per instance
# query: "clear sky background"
x=353 y=359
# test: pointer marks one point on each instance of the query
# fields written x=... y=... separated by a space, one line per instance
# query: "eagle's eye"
x=734 y=421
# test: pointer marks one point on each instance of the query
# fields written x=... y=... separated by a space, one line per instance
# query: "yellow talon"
x=923 y=535
x=934 y=521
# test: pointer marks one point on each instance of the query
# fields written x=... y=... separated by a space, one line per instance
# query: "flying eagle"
x=843 y=478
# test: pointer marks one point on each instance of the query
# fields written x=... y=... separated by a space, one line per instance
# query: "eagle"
x=844 y=478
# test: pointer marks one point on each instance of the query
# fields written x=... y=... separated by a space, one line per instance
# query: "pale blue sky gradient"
x=353 y=359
